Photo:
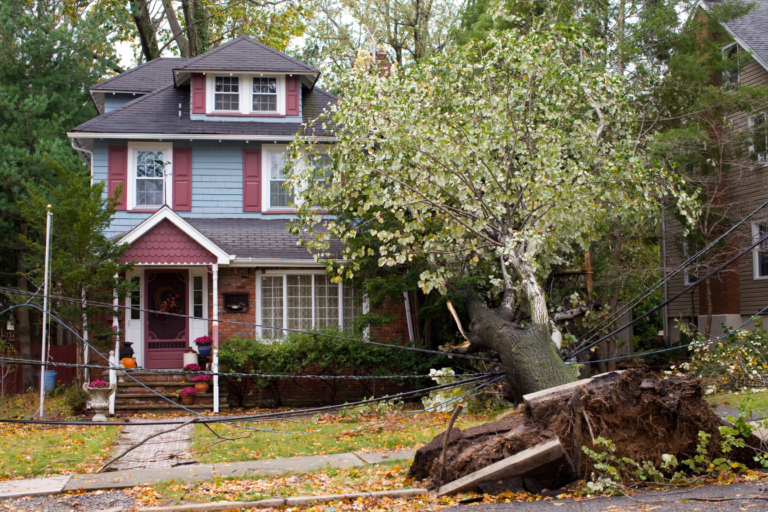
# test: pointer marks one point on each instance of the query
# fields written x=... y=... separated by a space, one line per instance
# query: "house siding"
x=217 y=182
x=115 y=100
x=746 y=189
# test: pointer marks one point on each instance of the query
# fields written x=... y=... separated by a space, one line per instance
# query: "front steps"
x=133 y=398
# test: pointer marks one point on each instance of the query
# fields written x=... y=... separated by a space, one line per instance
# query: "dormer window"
x=227 y=93
x=264 y=94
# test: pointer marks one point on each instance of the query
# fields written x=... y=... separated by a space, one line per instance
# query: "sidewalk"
x=197 y=472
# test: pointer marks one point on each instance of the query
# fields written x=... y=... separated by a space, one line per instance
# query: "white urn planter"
x=99 y=400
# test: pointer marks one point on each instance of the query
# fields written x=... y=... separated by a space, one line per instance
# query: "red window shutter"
x=292 y=92
x=117 y=173
x=182 y=179
x=198 y=93
x=251 y=180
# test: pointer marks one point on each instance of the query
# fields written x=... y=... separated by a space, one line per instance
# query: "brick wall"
x=240 y=280
x=397 y=329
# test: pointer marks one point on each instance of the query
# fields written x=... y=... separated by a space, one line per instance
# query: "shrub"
x=75 y=398
x=297 y=352
x=738 y=360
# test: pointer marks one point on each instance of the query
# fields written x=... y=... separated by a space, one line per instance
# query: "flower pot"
x=190 y=357
x=188 y=400
x=204 y=350
x=99 y=400
x=201 y=387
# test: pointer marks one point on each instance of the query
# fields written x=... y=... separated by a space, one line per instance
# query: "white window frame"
x=726 y=50
x=246 y=94
x=239 y=94
x=266 y=151
x=756 y=251
x=130 y=185
x=762 y=159
x=313 y=273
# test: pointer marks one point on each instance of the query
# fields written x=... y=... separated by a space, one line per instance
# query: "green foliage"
x=613 y=475
x=75 y=398
x=738 y=360
x=378 y=409
x=485 y=399
x=297 y=353
x=82 y=259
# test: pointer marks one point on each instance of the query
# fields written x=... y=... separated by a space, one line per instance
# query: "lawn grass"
x=28 y=451
x=381 y=477
x=748 y=398
x=324 y=436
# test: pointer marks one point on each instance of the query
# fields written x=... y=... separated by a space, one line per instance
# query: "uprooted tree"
x=505 y=159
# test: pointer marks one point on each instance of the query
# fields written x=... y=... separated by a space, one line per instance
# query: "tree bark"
x=708 y=288
x=22 y=321
x=143 y=21
x=178 y=33
x=529 y=358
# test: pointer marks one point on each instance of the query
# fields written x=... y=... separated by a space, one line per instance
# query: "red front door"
x=166 y=337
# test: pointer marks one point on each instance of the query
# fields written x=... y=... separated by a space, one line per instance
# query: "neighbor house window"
x=279 y=197
x=136 y=299
x=689 y=275
x=759 y=148
x=150 y=178
x=759 y=231
x=306 y=301
x=226 y=93
x=264 y=94
x=322 y=170
x=731 y=55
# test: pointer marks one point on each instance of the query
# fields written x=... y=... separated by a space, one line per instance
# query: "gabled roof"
x=165 y=213
x=751 y=31
x=146 y=78
x=245 y=54
x=158 y=113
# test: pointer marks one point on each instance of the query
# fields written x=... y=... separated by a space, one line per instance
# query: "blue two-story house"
x=199 y=147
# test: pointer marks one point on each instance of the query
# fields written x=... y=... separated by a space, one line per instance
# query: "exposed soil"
x=645 y=416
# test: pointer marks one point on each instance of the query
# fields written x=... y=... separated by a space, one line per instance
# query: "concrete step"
x=142 y=400
x=125 y=411
x=150 y=376
x=168 y=387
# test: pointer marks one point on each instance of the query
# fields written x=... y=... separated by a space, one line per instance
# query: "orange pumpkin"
x=128 y=362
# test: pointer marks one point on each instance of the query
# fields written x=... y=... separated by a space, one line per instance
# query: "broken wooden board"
x=519 y=464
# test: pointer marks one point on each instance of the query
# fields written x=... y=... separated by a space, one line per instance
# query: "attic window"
x=227 y=93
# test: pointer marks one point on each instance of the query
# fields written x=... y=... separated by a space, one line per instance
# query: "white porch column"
x=215 y=362
x=114 y=355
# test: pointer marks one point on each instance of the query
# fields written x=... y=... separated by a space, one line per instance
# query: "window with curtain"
x=353 y=307
x=300 y=302
x=272 y=305
x=326 y=302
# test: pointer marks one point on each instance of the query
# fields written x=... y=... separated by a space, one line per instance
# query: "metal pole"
x=215 y=361
x=45 y=310
x=86 y=352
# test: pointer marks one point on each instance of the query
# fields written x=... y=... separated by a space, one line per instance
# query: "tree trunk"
x=22 y=323
x=147 y=38
x=178 y=33
x=530 y=359
x=708 y=288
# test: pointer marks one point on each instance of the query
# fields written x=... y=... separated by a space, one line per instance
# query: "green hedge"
x=296 y=353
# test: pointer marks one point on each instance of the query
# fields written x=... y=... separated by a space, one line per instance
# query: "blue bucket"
x=50 y=379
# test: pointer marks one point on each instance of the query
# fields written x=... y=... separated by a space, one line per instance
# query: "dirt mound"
x=645 y=416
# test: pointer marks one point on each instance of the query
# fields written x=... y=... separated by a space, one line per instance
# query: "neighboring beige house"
x=742 y=290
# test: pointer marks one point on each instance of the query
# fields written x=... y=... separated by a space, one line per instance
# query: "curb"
x=279 y=502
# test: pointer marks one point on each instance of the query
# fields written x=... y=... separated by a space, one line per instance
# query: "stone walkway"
x=163 y=451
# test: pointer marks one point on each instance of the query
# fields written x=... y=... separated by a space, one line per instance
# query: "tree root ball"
x=644 y=415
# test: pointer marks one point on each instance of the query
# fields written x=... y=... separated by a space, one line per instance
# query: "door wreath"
x=167 y=301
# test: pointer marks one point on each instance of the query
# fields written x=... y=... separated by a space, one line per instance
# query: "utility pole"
x=43 y=358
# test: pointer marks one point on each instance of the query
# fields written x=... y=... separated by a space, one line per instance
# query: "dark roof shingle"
x=257 y=238
x=145 y=78
x=753 y=29
x=158 y=112
x=246 y=54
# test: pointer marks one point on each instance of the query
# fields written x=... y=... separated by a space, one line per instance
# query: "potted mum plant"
x=204 y=344
x=99 y=392
x=201 y=383
x=191 y=368
x=188 y=396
